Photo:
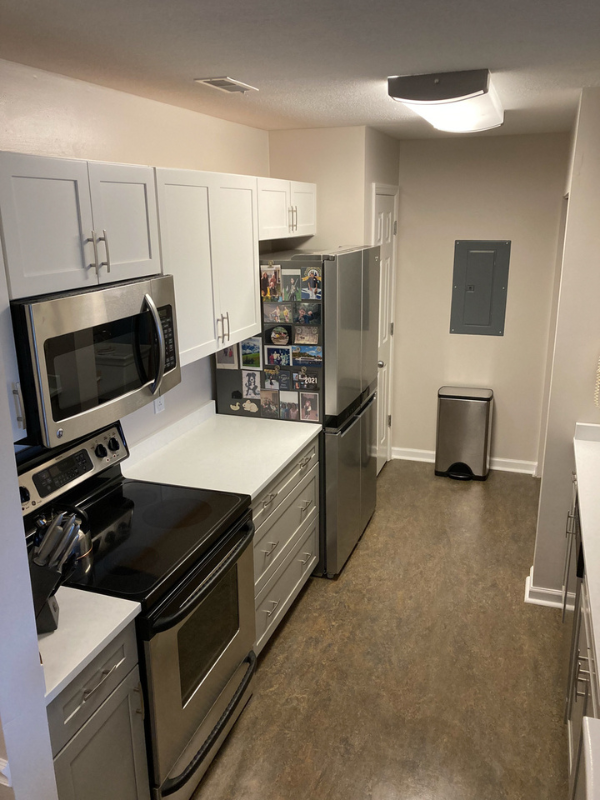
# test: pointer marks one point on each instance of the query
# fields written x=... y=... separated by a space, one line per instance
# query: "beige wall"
x=505 y=187
x=334 y=159
x=381 y=166
x=576 y=347
x=51 y=115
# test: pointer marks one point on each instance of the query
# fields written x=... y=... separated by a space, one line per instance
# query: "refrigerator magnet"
x=251 y=353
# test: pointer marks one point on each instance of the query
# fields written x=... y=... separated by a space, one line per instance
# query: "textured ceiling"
x=317 y=63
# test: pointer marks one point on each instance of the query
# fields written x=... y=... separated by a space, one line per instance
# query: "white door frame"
x=391 y=191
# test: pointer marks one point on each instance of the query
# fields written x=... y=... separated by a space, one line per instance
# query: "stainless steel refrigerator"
x=350 y=321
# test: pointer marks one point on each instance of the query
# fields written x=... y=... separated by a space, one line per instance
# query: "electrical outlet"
x=159 y=404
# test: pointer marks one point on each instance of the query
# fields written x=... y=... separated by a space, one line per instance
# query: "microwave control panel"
x=166 y=317
x=47 y=481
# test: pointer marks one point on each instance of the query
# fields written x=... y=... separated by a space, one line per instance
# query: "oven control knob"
x=25 y=496
x=101 y=451
x=113 y=444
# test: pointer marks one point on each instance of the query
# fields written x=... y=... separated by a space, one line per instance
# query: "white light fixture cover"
x=458 y=102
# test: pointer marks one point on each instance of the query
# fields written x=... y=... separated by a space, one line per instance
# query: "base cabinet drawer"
x=278 y=595
x=274 y=539
x=106 y=759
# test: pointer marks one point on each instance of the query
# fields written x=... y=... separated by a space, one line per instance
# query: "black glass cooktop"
x=147 y=535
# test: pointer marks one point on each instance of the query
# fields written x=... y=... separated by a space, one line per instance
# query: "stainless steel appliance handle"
x=162 y=350
x=170 y=620
x=172 y=785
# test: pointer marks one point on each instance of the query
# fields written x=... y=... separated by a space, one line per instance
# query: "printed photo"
x=271 y=376
x=250 y=384
x=279 y=335
x=308 y=314
x=311 y=283
x=278 y=356
x=227 y=358
x=292 y=289
x=251 y=353
x=270 y=284
x=307 y=355
x=306 y=334
x=309 y=406
x=288 y=405
x=269 y=404
x=306 y=379
x=276 y=313
x=285 y=380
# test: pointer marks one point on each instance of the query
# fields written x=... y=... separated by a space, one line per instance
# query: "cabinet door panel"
x=183 y=207
x=274 y=209
x=47 y=224
x=124 y=205
x=234 y=227
x=304 y=202
x=106 y=759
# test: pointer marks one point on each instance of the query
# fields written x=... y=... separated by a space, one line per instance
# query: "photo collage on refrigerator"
x=279 y=374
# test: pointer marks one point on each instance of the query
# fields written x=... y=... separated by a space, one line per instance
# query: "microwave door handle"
x=162 y=353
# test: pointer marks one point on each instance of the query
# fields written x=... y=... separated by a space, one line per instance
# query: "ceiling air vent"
x=226 y=85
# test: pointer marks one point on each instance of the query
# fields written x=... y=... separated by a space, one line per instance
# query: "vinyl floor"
x=420 y=673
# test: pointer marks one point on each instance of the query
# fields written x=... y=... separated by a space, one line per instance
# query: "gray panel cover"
x=479 y=287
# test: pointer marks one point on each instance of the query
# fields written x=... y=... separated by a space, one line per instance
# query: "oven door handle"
x=172 y=785
x=162 y=351
x=164 y=623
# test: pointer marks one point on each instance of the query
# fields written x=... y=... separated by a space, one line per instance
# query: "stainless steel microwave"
x=88 y=357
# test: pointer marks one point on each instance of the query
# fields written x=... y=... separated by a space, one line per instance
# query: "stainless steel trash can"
x=464 y=429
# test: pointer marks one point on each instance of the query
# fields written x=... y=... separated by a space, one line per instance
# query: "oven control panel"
x=49 y=479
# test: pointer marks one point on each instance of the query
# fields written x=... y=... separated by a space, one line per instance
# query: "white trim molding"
x=540 y=596
x=502 y=464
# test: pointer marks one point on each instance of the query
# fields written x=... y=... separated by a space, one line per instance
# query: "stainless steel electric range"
x=186 y=556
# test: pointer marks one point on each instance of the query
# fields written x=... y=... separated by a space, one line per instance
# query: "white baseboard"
x=502 y=464
x=539 y=596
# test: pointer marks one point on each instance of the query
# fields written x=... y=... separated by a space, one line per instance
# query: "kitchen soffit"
x=318 y=64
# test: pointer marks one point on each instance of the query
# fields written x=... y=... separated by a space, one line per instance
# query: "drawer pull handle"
x=307 y=559
x=274 y=603
x=304 y=505
x=106 y=673
x=305 y=462
x=142 y=709
x=268 y=500
x=274 y=545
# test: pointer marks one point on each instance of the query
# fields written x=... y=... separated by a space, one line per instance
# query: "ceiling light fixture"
x=225 y=84
x=459 y=102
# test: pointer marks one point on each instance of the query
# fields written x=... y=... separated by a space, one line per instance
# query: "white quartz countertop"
x=87 y=623
x=220 y=452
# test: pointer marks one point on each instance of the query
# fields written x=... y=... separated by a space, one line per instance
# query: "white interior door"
x=384 y=237
x=124 y=205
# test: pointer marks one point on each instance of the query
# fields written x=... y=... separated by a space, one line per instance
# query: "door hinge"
x=389 y=420
x=391 y=328
x=395 y=227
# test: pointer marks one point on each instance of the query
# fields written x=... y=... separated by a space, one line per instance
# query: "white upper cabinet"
x=47 y=224
x=183 y=204
x=209 y=238
x=286 y=208
x=71 y=224
x=234 y=229
x=125 y=220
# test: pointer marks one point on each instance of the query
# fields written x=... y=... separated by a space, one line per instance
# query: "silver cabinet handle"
x=104 y=238
x=274 y=603
x=307 y=559
x=273 y=547
x=304 y=505
x=228 y=326
x=21 y=420
x=106 y=673
x=381 y=364
x=305 y=462
x=291 y=222
x=268 y=500
x=217 y=320
x=94 y=241
x=162 y=350
x=142 y=709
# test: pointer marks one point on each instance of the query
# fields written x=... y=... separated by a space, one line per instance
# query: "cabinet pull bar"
x=273 y=547
x=142 y=709
x=307 y=559
x=104 y=238
x=228 y=327
x=274 y=603
x=16 y=390
x=106 y=673
x=95 y=245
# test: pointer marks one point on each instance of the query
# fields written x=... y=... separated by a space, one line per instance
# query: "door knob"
x=381 y=364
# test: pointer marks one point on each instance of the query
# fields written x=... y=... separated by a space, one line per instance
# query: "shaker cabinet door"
x=274 y=209
x=106 y=759
x=304 y=204
x=234 y=228
x=183 y=210
x=125 y=220
x=47 y=224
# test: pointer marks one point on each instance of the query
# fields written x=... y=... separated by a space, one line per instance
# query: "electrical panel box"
x=479 y=287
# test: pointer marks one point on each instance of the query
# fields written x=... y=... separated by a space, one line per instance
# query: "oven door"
x=195 y=642
x=94 y=356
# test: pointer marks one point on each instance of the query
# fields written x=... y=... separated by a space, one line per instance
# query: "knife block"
x=44 y=583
